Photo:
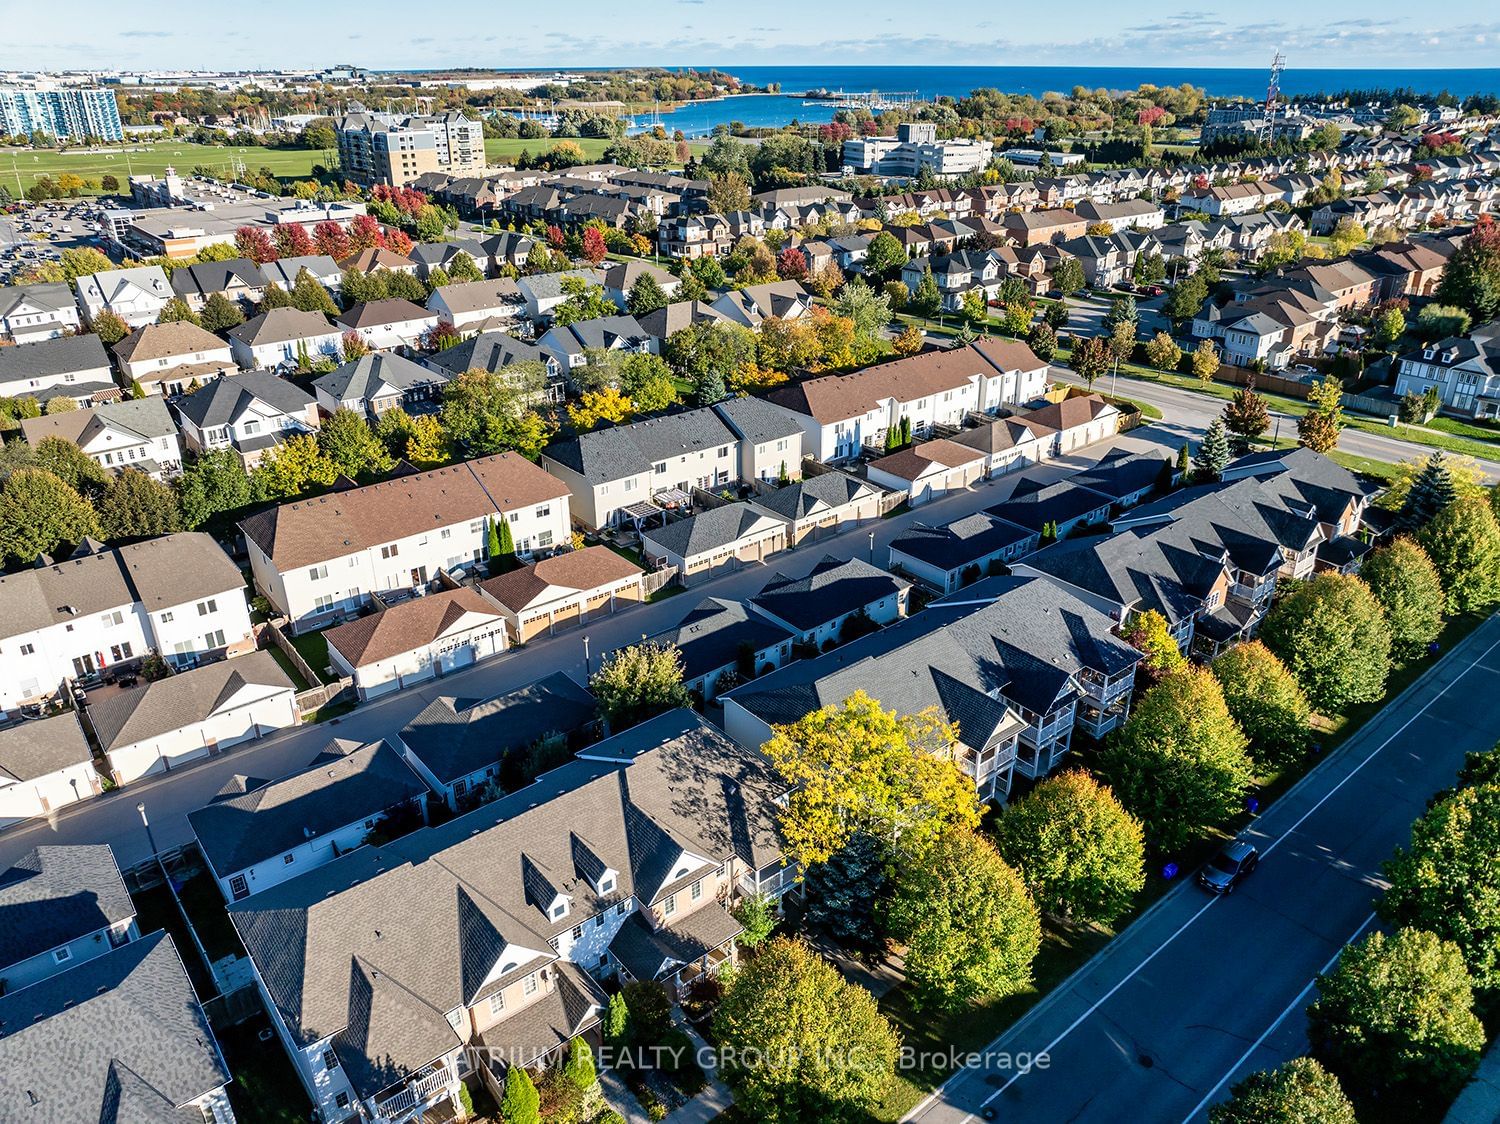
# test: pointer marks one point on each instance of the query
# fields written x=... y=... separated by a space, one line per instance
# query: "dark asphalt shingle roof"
x=756 y=420
x=716 y=631
x=489 y=351
x=611 y=454
x=962 y=542
x=710 y=530
x=30 y=750
x=371 y=373
x=814 y=495
x=54 y=895
x=226 y=398
x=58 y=356
x=832 y=589
x=1045 y=503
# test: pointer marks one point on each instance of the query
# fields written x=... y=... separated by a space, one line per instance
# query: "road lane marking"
x=1287 y=1010
x=1108 y=995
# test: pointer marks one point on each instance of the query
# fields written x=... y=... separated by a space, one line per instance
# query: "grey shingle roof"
x=489 y=351
x=756 y=420
x=957 y=544
x=832 y=589
x=180 y=700
x=336 y=790
x=1048 y=503
x=710 y=530
x=551 y=1022
x=51 y=357
x=147 y=417
x=815 y=494
x=628 y=450
x=370 y=373
x=34 y=749
x=47 y=294
x=280 y=325
x=119 y=1039
x=226 y=398
x=455 y=737
x=716 y=631
x=54 y=895
x=1119 y=473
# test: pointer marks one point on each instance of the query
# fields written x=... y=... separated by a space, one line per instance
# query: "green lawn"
x=265 y=1088
x=313 y=647
x=155 y=910
x=205 y=906
x=25 y=165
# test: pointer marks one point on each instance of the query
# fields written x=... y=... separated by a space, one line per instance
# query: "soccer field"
x=23 y=165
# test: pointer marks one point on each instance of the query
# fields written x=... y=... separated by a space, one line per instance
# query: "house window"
x=390 y=551
x=606 y=884
x=623 y=908
x=62 y=955
x=120 y=652
x=578 y=932
x=544 y=511
x=206 y=607
x=696 y=890
x=317 y=573
x=323 y=604
x=166 y=618
x=446 y=533
x=27 y=649
x=342 y=1100
x=213 y=639
x=669 y=906
x=109 y=620
x=288 y=859
x=544 y=539
x=330 y=1061
x=238 y=887
x=528 y=985
x=497 y=1002
x=559 y=910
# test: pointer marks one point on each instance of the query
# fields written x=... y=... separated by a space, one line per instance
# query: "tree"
x=594 y=249
x=1150 y=634
x=885 y=256
x=1205 y=360
x=926 y=298
x=1067 y=276
x=38 y=513
x=843 y=894
x=213 y=484
x=1080 y=853
x=1266 y=701
x=647 y=381
x=579 y=1068
x=1388 y=327
x=275 y=297
x=220 y=313
x=1186 y=298
x=801 y=1043
x=1332 y=635
x=1015 y=318
x=347 y=440
x=520 y=1103
x=1463 y=541
x=502 y=546
x=461 y=267
x=868 y=311
x=1471 y=279
x=639 y=682
x=857 y=767
x=254 y=243
x=1440 y=321
x=292 y=468
x=1179 y=764
x=109 y=327
x=71 y=465
x=584 y=302
x=136 y=506
x=486 y=412
x=758 y=916
x=646 y=296
x=1090 y=358
x=729 y=191
x=292 y=240
x=1394 y=1021
x=908 y=341
x=606 y=406
x=1163 y=353
x=1405 y=582
x=1318 y=429
x=175 y=311
x=1043 y=341
x=1299 y=1092
x=970 y=928
x=616 y=1020
x=1213 y=453
x=1431 y=491
x=1447 y=881
x=310 y=296
x=1347 y=234
x=1246 y=417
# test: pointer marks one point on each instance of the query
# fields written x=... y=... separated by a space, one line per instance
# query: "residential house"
x=543 y=292
x=284 y=337
x=1075 y=422
x=284 y=272
x=695 y=236
x=1031 y=228
x=133 y=433
x=838 y=600
x=819 y=505
x=178 y=595
x=722 y=643
x=929 y=470
x=750 y=306
x=623 y=862
x=42 y=311
x=168 y=358
x=572 y=345
x=257 y=833
x=1007 y=444
x=465 y=750
x=1230 y=199
x=380 y=381
x=479 y=305
x=239 y=280
x=770 y=440
x=136 y=295
x=620 y=279
x=493 y=352
x=428 y=256
x=319 y=559
x=416 y=640
x=948 y=557
x=1126 y=477
x=378 y=257
x=45 y=764
x=1465 y=371
x=387 y=324
x=1062 y=506
x=1104 y=266
x=167 y=723
x=1129 y=214
x=73 y=367
x=610 y=471
x=136 y=1042
x=714 y=540
x=566 y=590
x=251 y=413
x=662 y=324
x=60 y=907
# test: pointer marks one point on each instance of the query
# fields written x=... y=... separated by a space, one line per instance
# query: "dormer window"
x=607 y=884
x=559 y=909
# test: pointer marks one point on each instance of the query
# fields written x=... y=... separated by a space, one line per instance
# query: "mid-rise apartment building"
x=914 y=147
x=383 y=148
x=66 y=114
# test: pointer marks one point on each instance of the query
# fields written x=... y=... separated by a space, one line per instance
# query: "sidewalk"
x=1479 y=1103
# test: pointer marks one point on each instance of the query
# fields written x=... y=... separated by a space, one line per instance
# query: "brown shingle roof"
x=315 y=530
x=588 y=568
x=392 y=310
x=404 y=627
x=377 y=258
x=909 y=464
x=1008 y=355
x=836 y=397
x=162 y=341
x=1070 y=412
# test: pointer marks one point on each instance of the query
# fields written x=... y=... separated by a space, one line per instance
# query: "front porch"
x=696 y=947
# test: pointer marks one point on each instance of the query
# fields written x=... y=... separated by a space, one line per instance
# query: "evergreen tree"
x=137 y=391
x=492 y=543
x=1184 y=461
x=220 y=313
x=136 y=506
x=310 y=296
x=843 y=893
x=1213 y=454
x=275 y=297
x=646 y=296
x=520 y=1104
x=1430 y=492
x=507 y=546
x=579 y=1068
x=616 y=1020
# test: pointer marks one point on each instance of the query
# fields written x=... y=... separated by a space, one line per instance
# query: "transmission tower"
x=1273 y=94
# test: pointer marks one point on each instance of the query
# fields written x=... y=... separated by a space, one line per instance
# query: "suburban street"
x=1202 y=991
x=168 y=798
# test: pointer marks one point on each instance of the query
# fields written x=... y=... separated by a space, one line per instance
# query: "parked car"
x=1234 y=862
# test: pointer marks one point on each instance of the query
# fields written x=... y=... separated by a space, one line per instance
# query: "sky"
x=113 y=34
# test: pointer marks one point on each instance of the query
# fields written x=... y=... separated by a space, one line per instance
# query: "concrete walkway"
x=621 y=1099
x=1479 y=1103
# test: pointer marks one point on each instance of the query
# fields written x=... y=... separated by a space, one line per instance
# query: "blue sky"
x=524 y=33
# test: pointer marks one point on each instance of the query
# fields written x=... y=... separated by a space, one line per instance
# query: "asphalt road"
x=169 y=797
x=1202 y=991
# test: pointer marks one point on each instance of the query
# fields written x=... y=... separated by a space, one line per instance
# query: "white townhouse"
x=61 y=907
x=158 y=726
x=284 y=336
x=319 y=559
x=476 y=306
x=168 y=358
x=45 y=764
x=37 y=312
x=770 y=439
x=251 y=413
x=841 y=415
x=178 y=595
x=388 y=324
x=136 y=296
x=75 y=367
x=132 y=433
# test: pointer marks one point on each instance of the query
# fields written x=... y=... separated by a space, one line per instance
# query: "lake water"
x=773 y=111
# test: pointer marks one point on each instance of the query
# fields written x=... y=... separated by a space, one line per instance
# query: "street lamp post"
x=588 y=668
x=872 y=548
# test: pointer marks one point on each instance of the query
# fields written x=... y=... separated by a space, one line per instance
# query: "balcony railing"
x=777 y=881
x=415 y=1093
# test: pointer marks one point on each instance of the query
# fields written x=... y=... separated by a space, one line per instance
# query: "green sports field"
x=25 y=165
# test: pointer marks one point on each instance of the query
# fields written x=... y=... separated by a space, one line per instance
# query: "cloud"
x=139 y=34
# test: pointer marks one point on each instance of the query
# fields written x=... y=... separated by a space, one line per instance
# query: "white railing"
x=416 y=1092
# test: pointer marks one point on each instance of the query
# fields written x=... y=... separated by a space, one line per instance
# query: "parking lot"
x=33 y=234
